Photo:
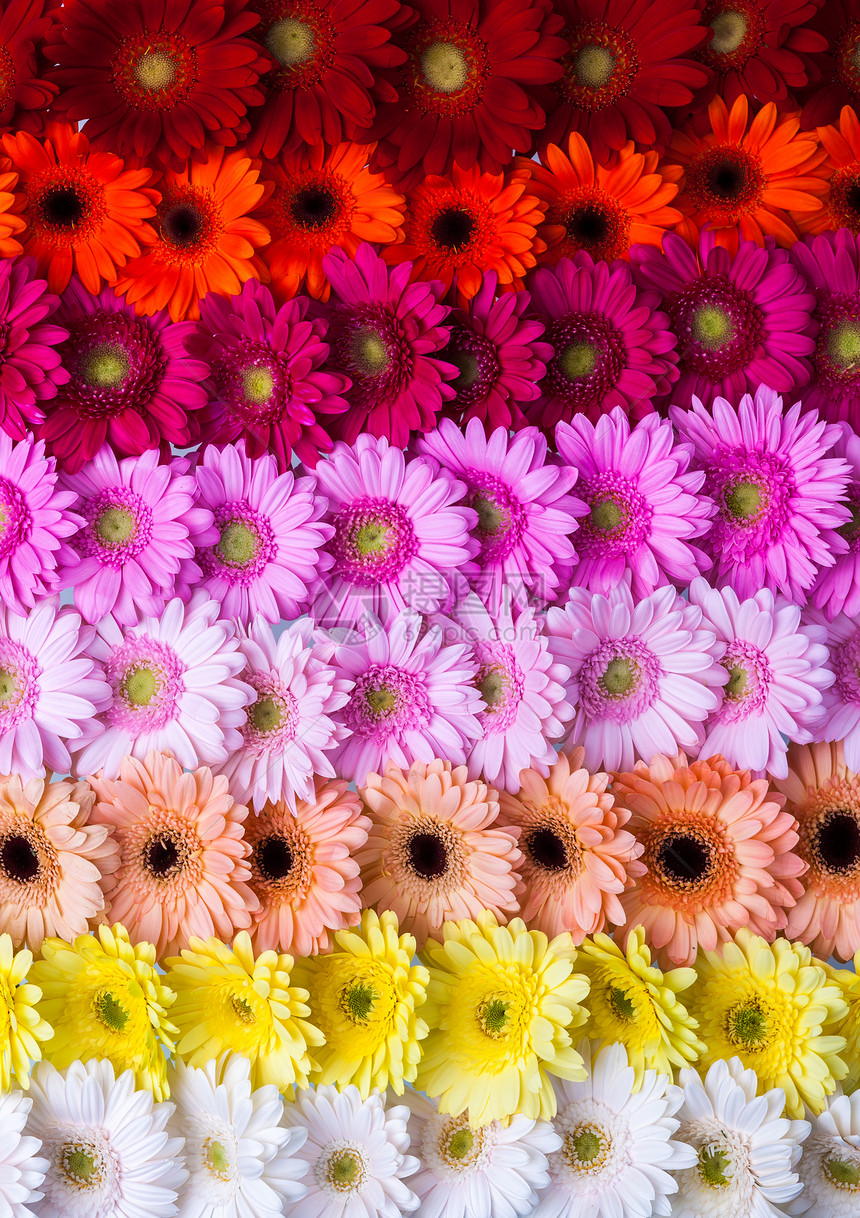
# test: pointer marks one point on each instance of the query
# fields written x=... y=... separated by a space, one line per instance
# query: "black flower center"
x=427 y=855
x=547 y=849
x=18 y=859
x=274 y=858
x=852 y=196
x=182 y=224
x=587 y=225
x=162 y=855
x=839 y=841
x=727 y=180
x=313 y=207
x=62 y=206
x=453 y=228
x=684 y=859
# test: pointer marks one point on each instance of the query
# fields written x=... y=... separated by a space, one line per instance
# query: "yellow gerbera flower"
x=229 y=1001
x=21 y=1025
x=105 y=999
x=849 y=1026
x=501 y=1004
x=775 y=1008
x=363 y=999
x=634 y=1002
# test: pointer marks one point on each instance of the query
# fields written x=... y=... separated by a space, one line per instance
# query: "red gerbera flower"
x=24 y=98
x=331 y=62
x=155 y=78
x=838 y=65
x=468 y=92
x=83 y=209
x=762 y=48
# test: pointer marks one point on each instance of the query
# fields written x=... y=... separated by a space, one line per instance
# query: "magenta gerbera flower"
x=387 y=335
x=613 y=347
x=522 y=686
x=400 y=532
x=139 y=529
x=741 y=320
x=643 y=503
x=837 y=588
x=840 y=716
x=778 y=488
x=50 y=688
x=500 y=354
x=30 y=366
x=777 y=670
x=131 y=382
x=413 y=698
x=289 y=731
x=35 y=521
x=525 y=514
x=174 y=688
x=267 y=547
x=644 y=675
x=270 y=382
x=831 y=264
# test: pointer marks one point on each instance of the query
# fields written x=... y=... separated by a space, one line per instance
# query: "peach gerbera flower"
x=85 y=212
x=718 y=849
x=183 y=870
x=600 y=208
x=746 y=179
x=840 y=206
x=304 y=869
x=824 y=796
x=577 y=857
x=435 y=850
x=53 y=859
x=206 y=237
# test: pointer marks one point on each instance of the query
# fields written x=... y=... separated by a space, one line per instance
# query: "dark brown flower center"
x=546 y=848
x=684 y=859
x=274 y=858
x=182 y=224
x=428 y=856
x=453 y=228
x=838 y=841
x=588 y=225
x=18 y=859
x=62 y=206
x=313 y=207
x=162 y=856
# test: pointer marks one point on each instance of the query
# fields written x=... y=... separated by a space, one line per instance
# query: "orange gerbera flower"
x=603 y=209
x=84 y=210
x=205 y=240
x=12 y=224
x=747 y=178
x=840 y=205
x=322 y=199
x=458 y=227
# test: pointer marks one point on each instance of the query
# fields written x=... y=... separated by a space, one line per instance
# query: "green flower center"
x=139 y=686
x=291 y=42
x=115 y=526
x=360 y=1000
x=578 y=360
x=494 y=687
x=218 y=1158
x=713 y=1166
x=620 y=677
x=729 y=32
x=737 y=682
x=381 y=701
x=8 y=685
x=746 y=1025
x=844 y=1173
x=242 y=1009
x=586 y=1144
x=239 y=544
x=105 y=367
x=493 y=1017
x=258 y=385
x=744 y=500
x=492 y=519
x=80 y=1165
x=460 y=1143
x=712 y=327
x=265 y=715
x=444 y=67
x=344 y=1169
x=594 y=66
x=368 y=352
x=606 y=515
x=843 y=345
x=621 y=1004
x=373 y=538
x=111 y=1012
x=155 y=71
x=469 y=367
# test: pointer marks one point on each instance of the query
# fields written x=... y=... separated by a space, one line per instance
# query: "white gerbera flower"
x=356 y=1151
x=494 y=1171
x=240 y=1159
x=616 y=1143
x=21 y=1168
x=108 y=1152
x=830 y=1164
x=746 y=1152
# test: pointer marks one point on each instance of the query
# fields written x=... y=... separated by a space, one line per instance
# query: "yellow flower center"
x=444 y=67
x=586 y=1148
x=239 y=544
x=844 y=1173
x=155 y=71
x=105 y=366
x=594 y=66
x=359 y=1001
x=494 y=687
x=291 y=42
x=81 y=1164
x=242 y=1009
x=265 y=715
x=139 y=686
x=217 y=1159
x=578 y=360
x=8 y=685
x=345 y=1170
x=713 y=1166
x=747 y=1026
x=372 y=538
x=115 y=526
x=729 y=32
x=368 y=352
x=381 y=701
x=110 y=1012
x=620 y=677
x=493 y=1017
x=492 y=518
x=461 y=1143
x=605 y=515
x=258 y=385
x=712 y=327
x=737 y=682
x=744 y=500
x=843 y=344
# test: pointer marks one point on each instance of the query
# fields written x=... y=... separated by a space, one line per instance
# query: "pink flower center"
x=837 y=351
x=753 y=491
x=619 y=680
x=590 y=357
x=19 y=689
x=273 y=720
x=373 y=541
x=146 y=678
x=116 y=362
x=717 y=324
x=502 y=518
x=387 y=701
x=619 y=520
x=476 y=356
x=254 y=383
x=15 y=519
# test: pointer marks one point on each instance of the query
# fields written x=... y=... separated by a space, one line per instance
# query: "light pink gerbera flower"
x=35 y=521
x=837 y=588
x=777 y=670
x=289 y=730
x=267 y=549
x=525 y=513
x=50 y=688
x=778 y=487
x=140 y=525
x=400 y=528
x=413 y=698
x=840 y=715
x=643 y=675
x=642 y=500
x=173 y=688
x=183 y=869
x=522 y=686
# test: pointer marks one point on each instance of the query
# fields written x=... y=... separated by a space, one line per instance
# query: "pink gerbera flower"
x=139 y=529
x=840 y=717
x=778 y=489
x=270 y=375
x=643 y=675
x=35 y=521
x=413 y=698
x=501 y=356
x=183 y=869
x=522 y=686
x=267 y=550
x=740 y=320
x=173 y=688
x=613 y=347
x=131 y=382
x=289 y=730
x=777 y=670
x=386 y=334
x=643 y=503
x=50 y=688
x=30 y=367
x=837 y=588
x=525 y=511
x=399 y=531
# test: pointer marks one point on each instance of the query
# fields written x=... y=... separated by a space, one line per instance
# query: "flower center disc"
x=594 y=66
x=744 y=500
x=460 y=1143
x=8 y=685
x=712 y=327
x=139 y=686
x=843 y=1173
x=619 y=677
x=843 y=345
x=729 y=32
x=258 y=384
x=368 y=353
x=105 y=367
x=115 y=526
x=19 y=860
x=746 y=1026
x=714 y=1166
x=274 y=858
x=578 y=360
x=428 y=856
x=291 y=42
x=239 y=544
x=444 y=67
x=155 y=71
